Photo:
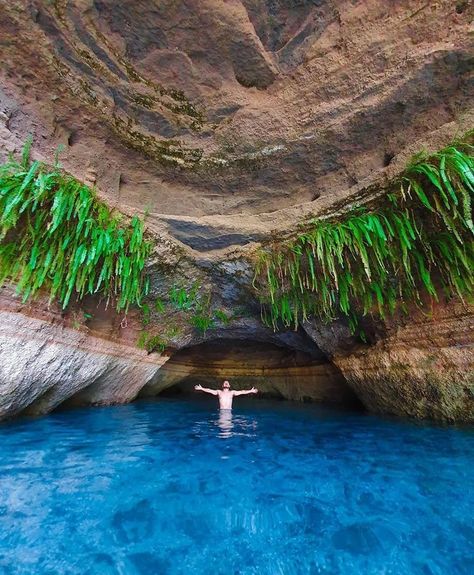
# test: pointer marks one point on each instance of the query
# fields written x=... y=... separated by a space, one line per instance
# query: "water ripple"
x=174 y=487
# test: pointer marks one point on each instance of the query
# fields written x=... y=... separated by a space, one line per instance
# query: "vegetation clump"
x=55 y=234
x=152 y=342
x=189 y=305
x=417 y=239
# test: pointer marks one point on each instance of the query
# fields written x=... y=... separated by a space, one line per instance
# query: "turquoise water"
x=169 y=487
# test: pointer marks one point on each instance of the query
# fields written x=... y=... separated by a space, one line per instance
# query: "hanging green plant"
x=417 y=238
x=56 y=235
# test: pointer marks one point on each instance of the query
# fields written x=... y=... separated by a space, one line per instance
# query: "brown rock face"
x=424 y=369
x=228 y=121
x=213 y=108
x=422 y=366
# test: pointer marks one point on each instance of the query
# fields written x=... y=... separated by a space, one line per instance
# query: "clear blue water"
x=170 y=487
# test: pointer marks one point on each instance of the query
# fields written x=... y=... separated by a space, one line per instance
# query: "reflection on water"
x=231 y=425
x=176 y=488
x=225 y=422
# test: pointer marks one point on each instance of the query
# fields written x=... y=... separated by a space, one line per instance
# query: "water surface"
x=171 y=487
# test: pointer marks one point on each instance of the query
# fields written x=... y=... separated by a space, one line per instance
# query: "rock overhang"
x=349 y=84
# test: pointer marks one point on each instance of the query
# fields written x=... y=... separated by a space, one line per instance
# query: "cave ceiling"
x=225 y=120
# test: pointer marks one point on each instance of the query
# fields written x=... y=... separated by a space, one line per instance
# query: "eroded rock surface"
x=42 y=365
x=421 y=366
x=213 y=108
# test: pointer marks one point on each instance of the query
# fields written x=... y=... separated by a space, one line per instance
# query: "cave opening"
x=277 y=370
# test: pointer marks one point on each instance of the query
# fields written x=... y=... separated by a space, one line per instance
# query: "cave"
x=278 y=371
x=276 y=193
x=235 y=132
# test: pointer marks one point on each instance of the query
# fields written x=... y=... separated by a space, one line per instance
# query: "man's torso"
x=225 y=399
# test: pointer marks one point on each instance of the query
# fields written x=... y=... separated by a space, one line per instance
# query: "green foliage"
x=173 y=331
x=418 y=239
x=146 y=314
x=55 y=234
x=195 y=305
x=221 y=316
x=202 y=322
x=142 y=339
x=151 y=342
x=156 y=343
x=184 y=299
x=195 y=301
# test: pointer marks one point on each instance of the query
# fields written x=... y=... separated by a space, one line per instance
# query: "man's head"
x=226 y=385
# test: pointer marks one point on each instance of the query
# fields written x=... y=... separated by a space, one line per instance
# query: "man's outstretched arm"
x=205 y=389
x=246 y=391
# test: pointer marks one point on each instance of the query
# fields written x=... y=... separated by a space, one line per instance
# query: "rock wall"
x=316 y=383
x=424 y=370
x=51 y=358
x=417 y=366
x=43 y=364
x=227 y=120
x=420 y=366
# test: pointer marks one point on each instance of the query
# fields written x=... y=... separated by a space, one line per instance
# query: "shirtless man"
x=225 y=394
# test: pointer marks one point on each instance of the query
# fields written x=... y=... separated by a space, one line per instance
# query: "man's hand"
x=254 y=390
x=198 y=387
